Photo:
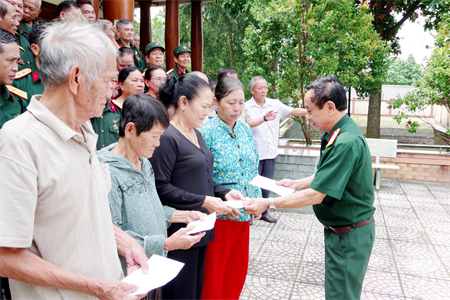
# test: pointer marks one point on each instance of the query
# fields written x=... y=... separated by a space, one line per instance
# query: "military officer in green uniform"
x=154 y=54
x=107 y=125
x=12 y=101
x=29 y=79
x=31 y=11
x=126 y=36
x=182 y=57
x=341 y=190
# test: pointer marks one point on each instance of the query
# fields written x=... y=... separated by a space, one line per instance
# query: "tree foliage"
x=404 y=71
x=434 y=87
x=295 y=41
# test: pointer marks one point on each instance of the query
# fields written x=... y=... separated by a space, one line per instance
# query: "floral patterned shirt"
x=235 y=158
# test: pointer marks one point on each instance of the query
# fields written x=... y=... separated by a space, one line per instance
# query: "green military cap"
x=179 y=49
x=152 y=46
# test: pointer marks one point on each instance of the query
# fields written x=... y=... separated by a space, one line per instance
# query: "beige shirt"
x=54 y=200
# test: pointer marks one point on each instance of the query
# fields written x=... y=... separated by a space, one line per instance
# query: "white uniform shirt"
x=54 y=200
x=266 y=135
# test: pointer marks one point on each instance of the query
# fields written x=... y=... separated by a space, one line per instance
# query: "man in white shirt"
x=57 y=240
x=263 y=115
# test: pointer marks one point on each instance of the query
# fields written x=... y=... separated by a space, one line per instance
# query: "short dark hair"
x=212 y=84
x=36 y=31
x=328 y=89
x=123 y=75
x=125 y=50
x=66 y=5
x=6 y=37
x=144 y=111
x=188 y=85
x=149 y=71
x=223 y=73
x=226 y=86
x=122 y=22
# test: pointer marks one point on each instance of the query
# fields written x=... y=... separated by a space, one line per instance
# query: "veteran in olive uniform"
x=126 y=33
x=12 y=101
x=154 y=54
x=107 y=125
x=341 y=190
x=182 y=57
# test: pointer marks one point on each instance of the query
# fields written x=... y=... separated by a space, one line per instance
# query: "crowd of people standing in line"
x=117 y=156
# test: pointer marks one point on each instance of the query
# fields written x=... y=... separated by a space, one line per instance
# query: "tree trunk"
x=306 y=131
x=373 y=118
x=230 y=47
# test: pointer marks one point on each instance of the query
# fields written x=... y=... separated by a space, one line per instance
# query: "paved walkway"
x=410 y=259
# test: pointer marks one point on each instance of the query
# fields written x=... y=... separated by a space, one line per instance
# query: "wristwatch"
x=272 y=207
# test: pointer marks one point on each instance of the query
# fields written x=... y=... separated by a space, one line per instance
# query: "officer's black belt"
x=346 y=229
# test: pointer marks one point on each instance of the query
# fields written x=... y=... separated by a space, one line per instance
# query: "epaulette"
x=333 y=137
x=143 y=72
x=23 y=73
x=17 y=92
x=20 y=47
x=168 y=72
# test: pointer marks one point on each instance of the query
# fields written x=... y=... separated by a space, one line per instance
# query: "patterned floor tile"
x=439 y=233
x=382 y=258
x=270 y=267
x=267 y=288
x=425 y=288
x=288 y=249
x=407 y=231
x=382 y=283
x=311 y=273
x=304 y=291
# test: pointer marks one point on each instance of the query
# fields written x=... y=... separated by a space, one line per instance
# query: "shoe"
x=269 y=218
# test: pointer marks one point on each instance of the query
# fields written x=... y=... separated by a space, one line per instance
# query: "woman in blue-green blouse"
x=235 y=165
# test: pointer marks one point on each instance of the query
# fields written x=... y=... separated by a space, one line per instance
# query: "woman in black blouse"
x=183 y=167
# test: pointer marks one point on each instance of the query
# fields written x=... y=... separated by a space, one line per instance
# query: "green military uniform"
x=139 y=59
x=176 y=72
x=26 y=55
x=13 y=102
x=344 y=174
x=25 y=28
x=107 y=126
x=29 y=81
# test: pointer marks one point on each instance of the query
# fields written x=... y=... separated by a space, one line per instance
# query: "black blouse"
x=184 y=175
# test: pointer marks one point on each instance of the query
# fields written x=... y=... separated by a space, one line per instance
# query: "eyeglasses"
x=161 y=79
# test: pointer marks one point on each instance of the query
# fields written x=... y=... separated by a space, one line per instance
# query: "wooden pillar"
x=172 y=35
x=95 y=4
x=196 y=35
x=146 y=24
x=117 y=10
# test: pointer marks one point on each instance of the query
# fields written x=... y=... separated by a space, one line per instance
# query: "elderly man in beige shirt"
x=57 y=240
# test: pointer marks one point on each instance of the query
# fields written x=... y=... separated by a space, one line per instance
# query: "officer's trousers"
x=346 y=260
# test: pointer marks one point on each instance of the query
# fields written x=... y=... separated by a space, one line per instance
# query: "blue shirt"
x=235 y=157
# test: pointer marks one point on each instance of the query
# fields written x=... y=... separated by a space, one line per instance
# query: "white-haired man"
x=57 y=240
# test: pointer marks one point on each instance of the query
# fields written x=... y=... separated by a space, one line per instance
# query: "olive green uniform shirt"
x=107 y=126
x=176 y=72
x=29 y=81
x=344 y=174
x=139 y=58
x=25 y=28
x=26 y=55
x=11 y=105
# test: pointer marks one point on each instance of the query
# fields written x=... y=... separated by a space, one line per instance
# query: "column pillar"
x=95 y=4
x=196 y=35
x=172 y=35
x=117 y=10
x=146 y=24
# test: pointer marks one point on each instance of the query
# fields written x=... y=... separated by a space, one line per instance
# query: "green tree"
x=296 y=41
x=403 y=71
x=433 y=88
x=388 y=17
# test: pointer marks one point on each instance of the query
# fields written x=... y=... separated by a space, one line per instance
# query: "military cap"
x=179 y=49
x=152 y=46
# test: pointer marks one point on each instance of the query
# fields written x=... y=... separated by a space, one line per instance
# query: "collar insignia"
x=333 y=137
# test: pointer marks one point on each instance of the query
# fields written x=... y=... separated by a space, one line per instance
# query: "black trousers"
x=189 y=282
x=266 y=168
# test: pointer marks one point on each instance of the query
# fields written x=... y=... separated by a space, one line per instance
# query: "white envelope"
x=205 y=225
x=269 y=184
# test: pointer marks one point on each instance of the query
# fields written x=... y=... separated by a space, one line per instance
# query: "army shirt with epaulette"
x=176 y=72
x=26 y=55
x=139 y=59
x=107 y=125
x=29 y=81
x=12 y=103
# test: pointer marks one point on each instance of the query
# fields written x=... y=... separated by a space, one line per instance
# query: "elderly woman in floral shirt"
x=235 y=165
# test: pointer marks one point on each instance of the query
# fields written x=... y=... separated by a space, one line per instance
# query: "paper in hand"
x=205 y=225
x=234 y=204
x=161 y=270
x=269 y=184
